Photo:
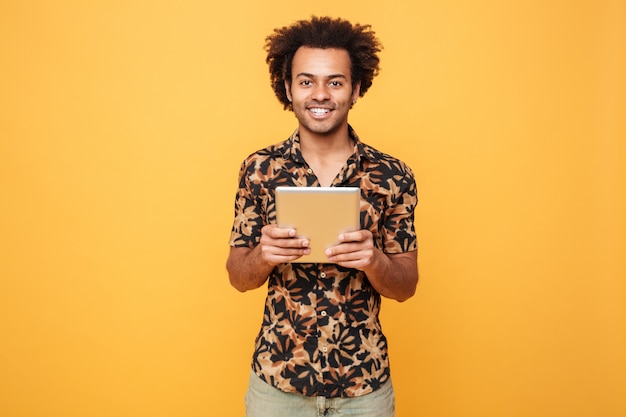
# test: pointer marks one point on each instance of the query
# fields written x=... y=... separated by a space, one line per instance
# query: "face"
x=321 y=89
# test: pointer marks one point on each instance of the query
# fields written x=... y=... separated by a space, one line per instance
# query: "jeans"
x=263 y=400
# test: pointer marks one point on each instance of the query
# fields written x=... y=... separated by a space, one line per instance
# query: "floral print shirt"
x=320 y=334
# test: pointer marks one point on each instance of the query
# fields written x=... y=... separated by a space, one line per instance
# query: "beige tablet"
x=318 y=213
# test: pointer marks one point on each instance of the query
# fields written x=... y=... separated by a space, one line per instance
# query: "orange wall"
x=122 y=126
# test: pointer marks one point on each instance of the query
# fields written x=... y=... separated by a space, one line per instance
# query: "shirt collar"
x=291 y=147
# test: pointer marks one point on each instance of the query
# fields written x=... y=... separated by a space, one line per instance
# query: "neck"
x=325 y=146
x=326 y=155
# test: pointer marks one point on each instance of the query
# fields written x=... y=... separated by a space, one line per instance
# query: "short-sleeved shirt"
x=320 y=334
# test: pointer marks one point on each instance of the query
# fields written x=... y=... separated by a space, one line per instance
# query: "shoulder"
x=387 y=164
x=264 y=158
x=270 y=152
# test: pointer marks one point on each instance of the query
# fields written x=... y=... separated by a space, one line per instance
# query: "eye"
x=335 y=84
x=306 y=83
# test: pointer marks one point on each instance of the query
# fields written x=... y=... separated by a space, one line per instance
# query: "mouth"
x=319 y=112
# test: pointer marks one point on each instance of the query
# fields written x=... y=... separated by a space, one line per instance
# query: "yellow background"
x=122 y=127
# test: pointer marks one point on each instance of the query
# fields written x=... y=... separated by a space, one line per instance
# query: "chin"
x=322 y=128
x=322 y=131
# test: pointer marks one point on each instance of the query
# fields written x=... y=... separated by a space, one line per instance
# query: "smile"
x=317 y=111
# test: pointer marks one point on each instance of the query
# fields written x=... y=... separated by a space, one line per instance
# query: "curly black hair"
x=322 y=32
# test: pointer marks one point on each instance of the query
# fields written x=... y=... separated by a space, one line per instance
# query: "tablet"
x=319 y=214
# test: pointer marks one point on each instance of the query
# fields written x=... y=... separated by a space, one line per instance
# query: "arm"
x=392 y=275
x=248 y=268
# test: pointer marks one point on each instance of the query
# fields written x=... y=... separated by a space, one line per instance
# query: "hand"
x=280 y=245
x=355 y=250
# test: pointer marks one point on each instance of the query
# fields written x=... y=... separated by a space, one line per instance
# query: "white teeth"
x=319 y=112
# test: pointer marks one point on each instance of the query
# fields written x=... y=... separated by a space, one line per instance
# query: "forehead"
x=321 y=62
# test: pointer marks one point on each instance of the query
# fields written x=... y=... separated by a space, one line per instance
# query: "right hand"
x=280 y=245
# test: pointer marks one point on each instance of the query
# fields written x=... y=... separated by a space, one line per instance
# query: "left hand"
x=354 y=250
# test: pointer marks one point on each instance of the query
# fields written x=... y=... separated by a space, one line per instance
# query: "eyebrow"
x=306 y=74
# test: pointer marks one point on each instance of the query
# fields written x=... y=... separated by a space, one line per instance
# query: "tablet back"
x=319 y=214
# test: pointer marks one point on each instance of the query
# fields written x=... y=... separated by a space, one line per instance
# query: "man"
x=321 y=349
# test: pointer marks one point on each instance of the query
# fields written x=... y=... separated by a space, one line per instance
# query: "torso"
x=320 y=334
x=327 y=163
x=327 y=173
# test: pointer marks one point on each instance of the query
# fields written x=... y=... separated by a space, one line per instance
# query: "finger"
x=357 y=264
x=284 y=242
x=339 y=254
x=348 y=248
x=280 y=255
x=281 y=232
x=272 y=230
x=356 y=236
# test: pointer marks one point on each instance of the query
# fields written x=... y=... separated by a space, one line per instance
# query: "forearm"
x=246 y=268
x=393 y=276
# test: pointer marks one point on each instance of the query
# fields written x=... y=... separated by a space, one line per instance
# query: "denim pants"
x=263 y=400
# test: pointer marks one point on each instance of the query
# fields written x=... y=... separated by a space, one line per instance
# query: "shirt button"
x=323 y=313
x=323 y=275
x=325 y=349
x=309 y=171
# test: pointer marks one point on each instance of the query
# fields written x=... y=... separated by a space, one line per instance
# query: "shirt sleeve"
x=398 y=231
x=246 y=230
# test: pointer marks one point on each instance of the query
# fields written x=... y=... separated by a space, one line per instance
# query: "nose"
x=320 y=92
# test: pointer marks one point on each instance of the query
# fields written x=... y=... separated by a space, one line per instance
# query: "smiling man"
x=321 y=350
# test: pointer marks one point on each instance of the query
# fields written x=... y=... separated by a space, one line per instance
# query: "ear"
x=288 y=90
x=356 y=92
